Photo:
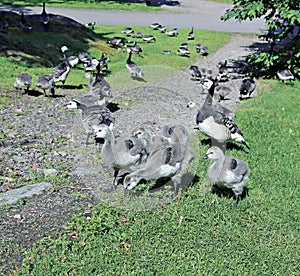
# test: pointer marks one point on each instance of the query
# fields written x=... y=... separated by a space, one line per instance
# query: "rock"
x=13 y=196
x=50 y=172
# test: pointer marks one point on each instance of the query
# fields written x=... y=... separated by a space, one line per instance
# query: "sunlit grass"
x=197 y=234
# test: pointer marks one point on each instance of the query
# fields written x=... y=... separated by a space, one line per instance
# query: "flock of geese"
x=147 y=155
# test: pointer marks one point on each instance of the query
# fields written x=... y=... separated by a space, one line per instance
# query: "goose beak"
x=205 y=156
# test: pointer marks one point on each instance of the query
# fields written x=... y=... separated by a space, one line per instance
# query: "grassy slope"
x=199 y=235
x=151 y=55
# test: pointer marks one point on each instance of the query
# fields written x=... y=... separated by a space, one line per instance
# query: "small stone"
x=50 y=172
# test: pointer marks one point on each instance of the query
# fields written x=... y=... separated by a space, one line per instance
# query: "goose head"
x=213 y=153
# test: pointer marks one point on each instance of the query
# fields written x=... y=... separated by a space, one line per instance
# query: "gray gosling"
x=227 y=171
x=177 y=134
x=91 y=115
x=45 y=82
x=164 y=161
x=23 y=81
x=119 y=153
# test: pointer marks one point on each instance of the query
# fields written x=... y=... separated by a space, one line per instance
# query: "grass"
x=152 y=61
x=200 y=234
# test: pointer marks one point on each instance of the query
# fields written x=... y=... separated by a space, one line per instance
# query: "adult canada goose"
x=137 y=35
x=136 y=48
x=166 y=52
x=23 y=80
x=195 y=72
x=91 y=25
x=184 y=45
x=162 y=29
x=103 y=62
x=92 y=115
x=183 y=51
x=85 y=58
x=92 y=65
x=127 y=31
x=149 y=38
x=173 y=32
x=119 y=153
x=227 y=171
x=116 y=42
x=191 y=35
x=215 y=124
x=198 y=47
x=164 y=161
x=45 y=82
x=155 y=26
x=61 y=71
x=45 y=16
x=101 y=88
x=133 y=68
x=204 y=51
x=285 y=75
x=247 y=87
x=25 y=24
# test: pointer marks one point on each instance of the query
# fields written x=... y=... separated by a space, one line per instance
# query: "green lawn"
x=197 y=234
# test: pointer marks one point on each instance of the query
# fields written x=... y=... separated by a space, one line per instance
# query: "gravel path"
x=39 y=134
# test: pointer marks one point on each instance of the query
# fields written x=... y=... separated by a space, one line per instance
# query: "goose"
x=119 y=153
x=45 y=16
x=149 y=38
x=227 y=171
x=85 y=58
x=247 y=87
x=91 y=115
x=25 y=24
x=285 y=75
x=23 y=80
x=136 y=48
x=215 y=124
x=195 y=72
x=191 y=35
x=101 y=87
x=183 y=51
x=137 y=35
x=204 y=51
x=103 y=62
x=173 y=32
x=116 y=42
x=73 y=60
x=162 y=29
x=45 y=82
x=92 y=65
x=61 y=71
x=184 y=45
x=164 y=161
x=146 y=135
x=155 y=26
x=198 y=47
x=222 y=93
x=177 y=134
x=127 y=31
x=91 y=25
x=166 y=52
x=222 y=75
x=133 y=68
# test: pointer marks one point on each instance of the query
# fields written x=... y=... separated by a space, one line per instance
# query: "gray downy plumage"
x=119 y=153
x=45 y=82
x=23 y=81
x=164 y=161
x=227 y=171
